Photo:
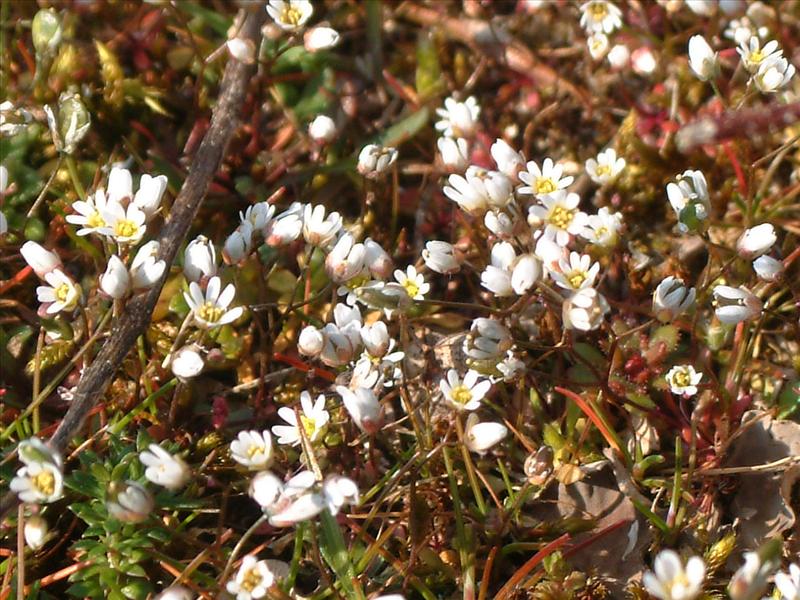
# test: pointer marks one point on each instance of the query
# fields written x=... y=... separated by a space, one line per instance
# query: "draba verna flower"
x=346 y=259
x=756 y=241
x=258 y=215
x=753 y=55
x=741 y=30
x=124 y=226
x=313 y=419
x=750 y=580
x=464 y=394
x=148 y=196
x=253 y=578
x=413 y=282
x=363 y=407
x=584 y=310
x=734 y=305
x=238 y=244
x=643 y=61
x=509 y=162
x=116 y=281
x=458 y=119
x=38 y=482
x=606 y=167
x=560 y=215
x=672 y=298
x=479 y=189
x=768 y=268
x=89 y=213
x=187 y=362
x=526 y=271
x=500 y=224
x=702 y=59
x=34 y=450
x=788 y=583
x=688 y=196
x=163 y=468
x=377 y=259
x=318 y=229
x=576 y=273
x=252 y=449
x=704 y=8
x=129 y=501
x=311 y=341
x=60 y=293
x=544 y=181
x=35 y=532
x=454 y=152
x=320 y=38
x=603 y=228
x=322 y=129
x=338 y=491
x=600 y=15
x=374 y=160
x=175 y=592
x=145 y=269
x=199 y=259
x=375 y=338
x=41 y=260
x=773 y=74
x=496 y=277
x=671 y=581
x=487 y=339
x=290 y=15
x=242 y=50
x=441 y=257
x=285 y=227
x=598 y=45
x=683 y=380
x=480 y=437
x=290 y=503
x=211 y=310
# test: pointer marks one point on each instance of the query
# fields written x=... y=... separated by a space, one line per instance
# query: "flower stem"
x=76 y=180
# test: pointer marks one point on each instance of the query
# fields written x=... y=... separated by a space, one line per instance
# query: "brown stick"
x=139 y=309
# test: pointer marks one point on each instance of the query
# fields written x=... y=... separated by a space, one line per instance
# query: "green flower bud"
x=46 y=31
x=71 y=124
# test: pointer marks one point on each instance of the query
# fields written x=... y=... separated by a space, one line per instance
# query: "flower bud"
x=734 y=305
x=376 y=338
x=454 y=152
x=480 y=437
x=237 y=245
x=71 y=124
x=129 y=501
x=242 y=50
x=311 y=341
x=756 y=241
x=768 y=268
x=320 y=38
x=199 y=259
x=702 y=59
x=378 y=261
x=374 y=160
x=35 y=532
x=527 y=271
x=584 y=310
x=46 y=32
x=322 y=129
x=672 y=298
x=441 y=257
x=364 y=408
x=338 y=491
x=145 y=269
x=175 y=592
x=619 y=56
x=115 y=281
x=187 y=362
x=42 y=261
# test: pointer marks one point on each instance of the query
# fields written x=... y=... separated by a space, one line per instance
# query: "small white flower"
x=560 y=214
x=584 y=310
x=702 y=59
x=600 y=15
x=363 y=407
x=163 y=468
x=346 y=260
x=756 y=241
x=35 y=532
x=289 y=15
x=598 y=45
x=89 y=213
x=320 y=38
x=753 y=55
x=527 y=270
x=115 y=281
x=479 y=189
x=242 y=50
x=377 y=259
x=125 y=226
x=704 y=8
x=145 y=270
x=480 y=437
x=187 y=362
x=286 y=227
x=496 y=277
x=789 y=583
x=750 y=580
x=61 y=293
x=644 y=61
x=175 y=592
x=38 y=482
x=672 y=298
x=374 y=160
x=129 y=501
x=257 y=216
x=41 y=260
x=375 y=338
x=441 y=257
x=488 y=339
x=313 y=418
x=199 y=259
x=238 y=244
x=454 y=152
x=768 y=268
x=212 y=310
x=322 y=129
x=318 y=229
x=741 y=30
x=508 y=161
x=576 y=273
x=544 y=181
x=148 y=196
x=773 y=74
x=500 y=224
x=289 y=503
x=466 y=394
x=619 y=57
x=413 y=282
x=683 y=380
x=254 y=577
x=671 y=581
x=252 y=449
x=338 y=491
x=265 y=488
x=458 y=119
x=311 y=341
x=603 y=228
x=606 y=167
x=734 y=305
x=688 y=196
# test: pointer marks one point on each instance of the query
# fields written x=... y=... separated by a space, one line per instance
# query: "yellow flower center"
x=211 y=313
x=681 y=379
x=125 y=228
x=309 y=425
x=251 y=580
x=254 y=450
x=95 y=220
x=62 y=292
x=603 y=169
x=461 y=394
x=291 y=16
x=357 y=282
x=45 y=482
x=545 y=185
x=598 y=10
x=756 y=56
x=411 y=287
x=576 y=279
x=561 y=217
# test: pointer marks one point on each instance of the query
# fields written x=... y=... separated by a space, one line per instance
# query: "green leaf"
x=428 y=77
x=405 y=129
x=335 y=553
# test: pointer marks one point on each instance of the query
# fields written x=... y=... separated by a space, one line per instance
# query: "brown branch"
x=139 y=309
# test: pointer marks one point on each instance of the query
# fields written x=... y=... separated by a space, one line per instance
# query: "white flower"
x=237 y=245
x=458 y=119
x=311 y=341
x=318 y=229
x=265 y=488
x=322 y=129
x=313 y=418
x=602 y=229
x=702 y=7
x=38 y=482
x=671 y=581
x=187 y=362
x=576 y=273
x=61 y=293
x=163 y=468
x=120 y=186
x=289 y=15
x=672 y=298
x=499 y=223
x=544 y=181
x=598 y=45
x=363 y=407
x=338 y=491
x=508 y=161
x=286 y=227
x=584 y=310
x=413 y=282
x=33 y=451
x=441 y=257
x=148 y=196
x=125 y=226
x=257 y=216
x=145 y=270
x=175 y=592
x=211 y=310
x=526 y=272
x=756 y=241
x=488 y=339
x=115 y=281
x=496 y=277
x=454 y=152
x=702 y=59
x=789 y=583
x=753 y=55
x=41 y=260
x=254 y=577
x=768 y=268
x=129 y=501
x=375 y=338
x=374 y=160
x=346 y=259
x=750 y=580
x=688 y=196
x=297 y=502
x=479 y=189
x=480 y=437
x=252 y=449
x=683 y=380
x=773 y=74
x=199 y=259
x=734 y=305
x=35 y=532
x=606 y=168
x=619 y=56
x=466 y=394
x=320 y=38
x=600 y=15
x=242 y=50
x=560 y=215
x=377 y=259
x=644 y=61
x=89 y=213
x=741 y=30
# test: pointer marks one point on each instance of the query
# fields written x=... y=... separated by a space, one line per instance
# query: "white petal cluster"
x=163 y=468
x=290 y=15
x=672 y=581
x=683 y=380
x=313 y=419
x=41 y=479
x=736 y=304
x=210 y=309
